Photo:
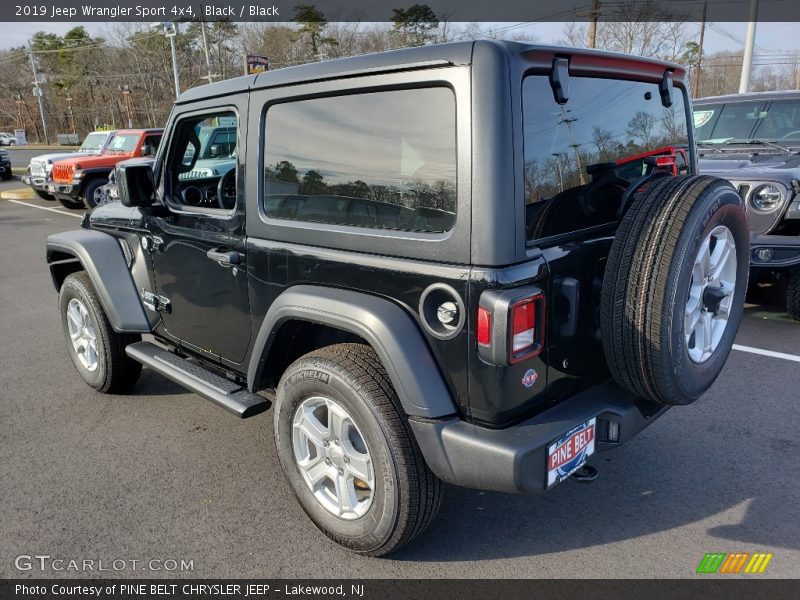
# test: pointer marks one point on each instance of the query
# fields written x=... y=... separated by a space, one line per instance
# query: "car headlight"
x=48 y=167
x=766 y=197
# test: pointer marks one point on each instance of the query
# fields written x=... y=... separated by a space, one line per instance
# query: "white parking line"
x=55 y=210
x=770 y=353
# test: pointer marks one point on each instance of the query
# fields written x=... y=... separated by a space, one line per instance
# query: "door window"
x=201 y=166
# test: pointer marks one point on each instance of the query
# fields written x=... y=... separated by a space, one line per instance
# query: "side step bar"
x=222 y=392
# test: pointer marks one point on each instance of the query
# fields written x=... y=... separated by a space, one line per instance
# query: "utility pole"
x=171 y=31
x=70 y=113
x=210 y=76
x=593 y=23
x=18 y=101
x=568 y=121
x=750 y=41
x=126 y=97
x=700 y=51
x=38 y=91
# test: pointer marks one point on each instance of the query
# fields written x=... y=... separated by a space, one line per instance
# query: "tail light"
x=510 y=325
x=525 y=339
x=484 y=327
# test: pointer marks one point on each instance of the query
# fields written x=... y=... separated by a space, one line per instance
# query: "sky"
x=770 y=37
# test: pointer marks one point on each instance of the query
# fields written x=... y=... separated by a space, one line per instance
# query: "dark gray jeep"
x=754 y=141
x=476 y=263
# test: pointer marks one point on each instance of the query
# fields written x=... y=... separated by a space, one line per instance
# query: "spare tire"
x=674 y=288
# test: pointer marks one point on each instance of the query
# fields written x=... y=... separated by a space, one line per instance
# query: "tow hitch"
x=586 y=474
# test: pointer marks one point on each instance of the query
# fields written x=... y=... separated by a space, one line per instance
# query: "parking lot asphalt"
x=162 y=474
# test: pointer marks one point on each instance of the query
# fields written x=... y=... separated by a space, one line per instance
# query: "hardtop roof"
x=452 y=53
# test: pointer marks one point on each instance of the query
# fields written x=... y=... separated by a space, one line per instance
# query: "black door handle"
x=230 y=257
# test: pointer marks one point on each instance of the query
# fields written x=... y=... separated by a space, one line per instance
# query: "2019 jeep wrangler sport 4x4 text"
x=476 y=263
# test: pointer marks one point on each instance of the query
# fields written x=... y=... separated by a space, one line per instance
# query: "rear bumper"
x=515 y=459
x=784 y=250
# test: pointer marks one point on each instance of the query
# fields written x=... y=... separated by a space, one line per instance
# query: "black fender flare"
x=391 y=332
x=101 y=257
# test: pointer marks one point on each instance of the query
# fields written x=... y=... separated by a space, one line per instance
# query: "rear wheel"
x=347 y=451
x=793 y=293
x=674 y=287
x=96 y=350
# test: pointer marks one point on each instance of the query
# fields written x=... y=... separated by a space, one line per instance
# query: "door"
x=197 y=240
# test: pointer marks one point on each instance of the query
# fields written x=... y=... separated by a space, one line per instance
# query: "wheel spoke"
x=359 y=466
x=336 y=421
x=706 y=325
x=721 y=258
x=91 y=352
x=75 y=315
x=317 y=470
x=345 y=494
x=703 y=260
x=314 y=431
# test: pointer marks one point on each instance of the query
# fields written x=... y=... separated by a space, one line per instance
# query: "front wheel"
x=96 y=350
x=45 y=195
x=93 y=194
x=348 y=453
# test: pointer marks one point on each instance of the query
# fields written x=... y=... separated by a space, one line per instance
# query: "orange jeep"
x=77 y=181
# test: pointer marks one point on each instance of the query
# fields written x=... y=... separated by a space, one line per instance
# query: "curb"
x=18 y=194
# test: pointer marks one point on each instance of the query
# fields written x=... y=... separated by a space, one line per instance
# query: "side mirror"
x=135 y=184
x=147 y=150
x=214 y=152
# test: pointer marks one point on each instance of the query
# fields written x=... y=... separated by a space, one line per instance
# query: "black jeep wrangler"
x=476 y=263
x=754 y=141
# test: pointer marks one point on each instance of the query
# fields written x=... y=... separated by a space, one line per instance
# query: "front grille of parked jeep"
x=62 y=172
x=744 y=189
x=38 y=168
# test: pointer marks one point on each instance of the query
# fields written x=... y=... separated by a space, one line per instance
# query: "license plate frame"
x=570 y=452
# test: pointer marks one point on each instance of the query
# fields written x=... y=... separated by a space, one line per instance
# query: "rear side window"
x=383 y=160
x=581 y=156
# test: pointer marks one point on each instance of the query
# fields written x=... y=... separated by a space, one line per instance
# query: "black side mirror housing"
x=135 y=183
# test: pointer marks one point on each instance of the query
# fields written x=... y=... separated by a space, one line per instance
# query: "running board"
x=222 y=392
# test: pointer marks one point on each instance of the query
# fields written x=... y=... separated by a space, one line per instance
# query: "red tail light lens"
x=526 y=337
x=484 y=326
x=523 y=326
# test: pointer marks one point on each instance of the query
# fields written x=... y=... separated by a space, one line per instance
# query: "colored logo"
x=735 y=562
x=529 y=378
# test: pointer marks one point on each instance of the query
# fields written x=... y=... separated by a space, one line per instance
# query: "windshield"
x=93 y=142
x=744 y=121
x=123 y=143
